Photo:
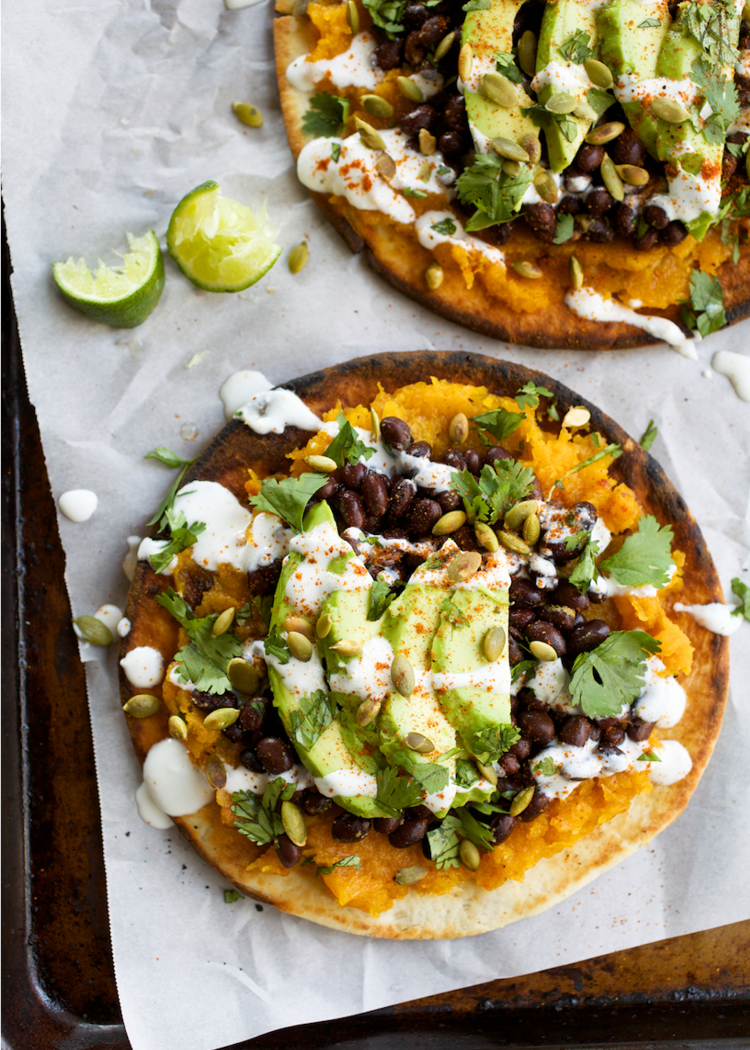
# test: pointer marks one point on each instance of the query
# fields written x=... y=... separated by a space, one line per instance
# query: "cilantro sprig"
x=707 y=302
x=327 y=115
x=352 y=861
x=488 y=497
x=181 y=537
x=499 y=422
x=611 y=675
x=505 y=63
x=742 y=591
x=721 y=94
x=585 y=571
x=289 y=497
x=649 y=436
x=530 y=393
x=486 y=187
x=204 y=660
x=169 y=459
x=276 y=646
x=564 y=229
x=381 y=597
x=396 y=793
x=576 y=48
x=311 y=719
x=489 y=744
x=256 y=817
x=347 y=446
x=645 y=557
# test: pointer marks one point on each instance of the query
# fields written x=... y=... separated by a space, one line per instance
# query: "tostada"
x=562 y=174
x=403 y=657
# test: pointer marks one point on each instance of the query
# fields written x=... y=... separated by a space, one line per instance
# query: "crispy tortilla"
x=468 y=909
x=402 y=261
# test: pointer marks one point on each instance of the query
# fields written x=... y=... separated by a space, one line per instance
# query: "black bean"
x=415 y=51
x=579 y=619
x=394 y=431
x=276 y=755
x=351 y=509
x=434 y=29
x=422 y=449
x=541 y=219
x=538 y=726
x=568 y=594
x=453 y=458
x=449 y=501
x=647 y=241
x=627 y=148
x=560 y=616
x=571 y=175
x=596 y=597
x=586 y=637
x=537 y=806
x=387 y=825
x=401 y=498
x=655 y=216
x=353 y=474
x=589 y=157
x=510 y=763
x=388 y=54
x=728 y=166
x=233 y=733
x=598 y=202
x=599 y=231
x=210 y=702
x=495 y=452
x=515 y=653
x=423 y=515
x=454 y=113
x=250 y=761
x=569 y=206
x=330 y=488
x=673 y=234
x=626 y=220
x=497 y=235
x=415 y=15
x=575 y=731
x=585 y=515
x=421 y=117
x=252 y=714
x=313 y=802
x=350 y=828
x=451 y=143
x=473 y=458
x=640 y=730
x=375 y=494
x=525 y=595
x=501 y=825
x=613 y=735
x=412 y=831
x=289 y=854
x=542 y=631
x=521 y=618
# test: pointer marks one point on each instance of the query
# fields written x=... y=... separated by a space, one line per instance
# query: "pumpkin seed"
x=575 y=272
x=500 y=90
x=611 y=179
x=433 y=276
x=533 y=147
x=561 y=102
x=465 y=61
x=427 y=145
x=521 y=801
x=323 y=626
x=216 y=773
x=300 y=646
x=248 y=114
x=527 y=53
x=368 y=711
x=323 y=464
x=408 y=876
x=402 y=675
x=142 y=705
x=486 y=536
x=449 y=522
x=542 y=651
x=444 y=46
x=513 y=543
x=746 y=13
x=352 y=16
x=586 y=112
x=605 y=133
x=458 y=429
x=546 y=186
x=511 y=168
x=300 y=625
x=223 y=622
x=424 y=172
x=669 y=110
x=93 y=630
x=221 y=718
x=464 y=565
x=374 y=425
x=347 y=648
x=385 y=166
x=494 y=643
x=177 y=727
x=576 y=417
x=527 y=269
x=421 y=744
x=298 y=257
x=632 y=175
x=243 y=676
x=377 y=106
x=488 y=772
x=409 y=89
x=469 y=854
x=509 y=149
x=294 y=823
x=532 y=529
x=518 y=513
x=599 y=74
x=368 y=135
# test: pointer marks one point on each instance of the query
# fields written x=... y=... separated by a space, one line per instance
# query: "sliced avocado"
x=626 y=47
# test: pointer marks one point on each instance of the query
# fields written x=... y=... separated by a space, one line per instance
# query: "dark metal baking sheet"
x=58 y=975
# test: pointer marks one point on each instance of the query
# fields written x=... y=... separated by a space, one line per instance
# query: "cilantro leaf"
x=326 y=116
x=452 y=614
x=585 y=570
x=576 y=48
x=599 y=100
x=387 y=14
x=742 y=591
x=335 y=152
x=338 y=564
x=474 y=830
x=485 y=186
x=311 y=719
x=477 y=5
x=648 y=756
x=714 y=27
x=721 y=94
x=169 y=459
x=499 y=422
x=489 y=744
x=276 y=646
x=256 y=817
x=408 y=191
x=466 y=773
x=707 y=299
x=530 y=393
x=396 y=793
x=230 y=896
x=289 y=497
x=564 y=229
x=523 y=667
x=505 y=63
x=204 y=661
x=488 y=497
x=182 y=536
x=649 y=23
x=644 y=557
x=352 y=861
x=444 y=843
x=611 y=675
x=431 y=775
x=611 y=450
x=347 y=446
x=542 y=118
x=649 y=436
x=381 y=597
x=446 y=227
x=546 y=767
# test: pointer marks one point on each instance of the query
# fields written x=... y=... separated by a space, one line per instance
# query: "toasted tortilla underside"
x=468 y=909
x=392 y=254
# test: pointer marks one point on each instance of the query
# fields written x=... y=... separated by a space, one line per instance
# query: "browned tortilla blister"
x=468 y=909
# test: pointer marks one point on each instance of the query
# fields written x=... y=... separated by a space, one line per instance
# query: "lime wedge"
x=120 y=296
x=220 y=245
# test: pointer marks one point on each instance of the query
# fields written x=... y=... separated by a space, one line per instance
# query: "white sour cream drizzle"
x=173 y=782
x=148 y=810
x=239 y=388
x=110 y=616
x=715 y=617
x=368 y=676
x=736 y=367
x=241 y=779
x=662 y=699
x=572 y=79
x=78 y=504
x=347 y=783
x=353 y=68
x=424 y=472
x=271 y=411
x=593 y=307
x=123 y=627
x=130 y=560
x=310 y=585
x=430 y=238
x=143 y=666
x=674 y=764
x=575 y=764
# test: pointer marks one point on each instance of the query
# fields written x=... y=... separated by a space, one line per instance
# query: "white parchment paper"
x=114 y=110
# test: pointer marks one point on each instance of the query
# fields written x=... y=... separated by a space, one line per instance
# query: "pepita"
x=513 y=542
x=221 y=718
x=533 y=148
x=586 y=112
x=248 y=114
x=576 y=417
x=599 y=74
x=561 y=102
x=374 y=425
x=408 y=876
x=546 y=186
x=611 y=179
x=486 y=536
x=409 y=89
x=377 y=106
x=402 y=675
x=243 y=676
x=368 y=135
x=518 y=513
x=527 y=53
x=298 y=257
x=424 y=172
x=347 y=648
x=93 y=630
x=542 y=651
x=464 y=565
x=433 y=276
x=494 y=643
x=300 y=625
x=575 y=272
x=465 y=61
x=509 y=149
x=142 y=705
x=444 y=46
x=605 y=133
x=511 y=168
x=294 y=823
x=323 y=464
x=323 y=626
x=632 y=174
x=300 y=646
x=469 y=854
x=449 y=522
x=522 y=800
x=368 y=711
x=532 y=529
x=527 y=269
x=177 y=728
x=427 y=146
x=223 y=622
x=500 y=90
x=421 y=744
x=385 y=166
x=352 y=16
x=216 y=773
x=669 y=110
x=458 y=429
x=488 y=772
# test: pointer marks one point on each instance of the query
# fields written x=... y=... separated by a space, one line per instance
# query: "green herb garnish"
x=649 y=436
x=289 y=497
x=488 y=497
x=204 y=660
x=396 y=793
x=327 y=116
x=564 y=229
x=446 y=227
x=547 y=767
x=499 y=422
x=585 y=571
x=182 y=536
x=611 y=675
x=352 y=861
x=311 y=719
x=486 y=187
x=276 y=646
x=742 y=591
x=645 y=557
x=576 y=48
x=347 y=446
x=256 y=817
x=707 y=301
x=489 y=744
x=505 y=63
x=169 y=459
